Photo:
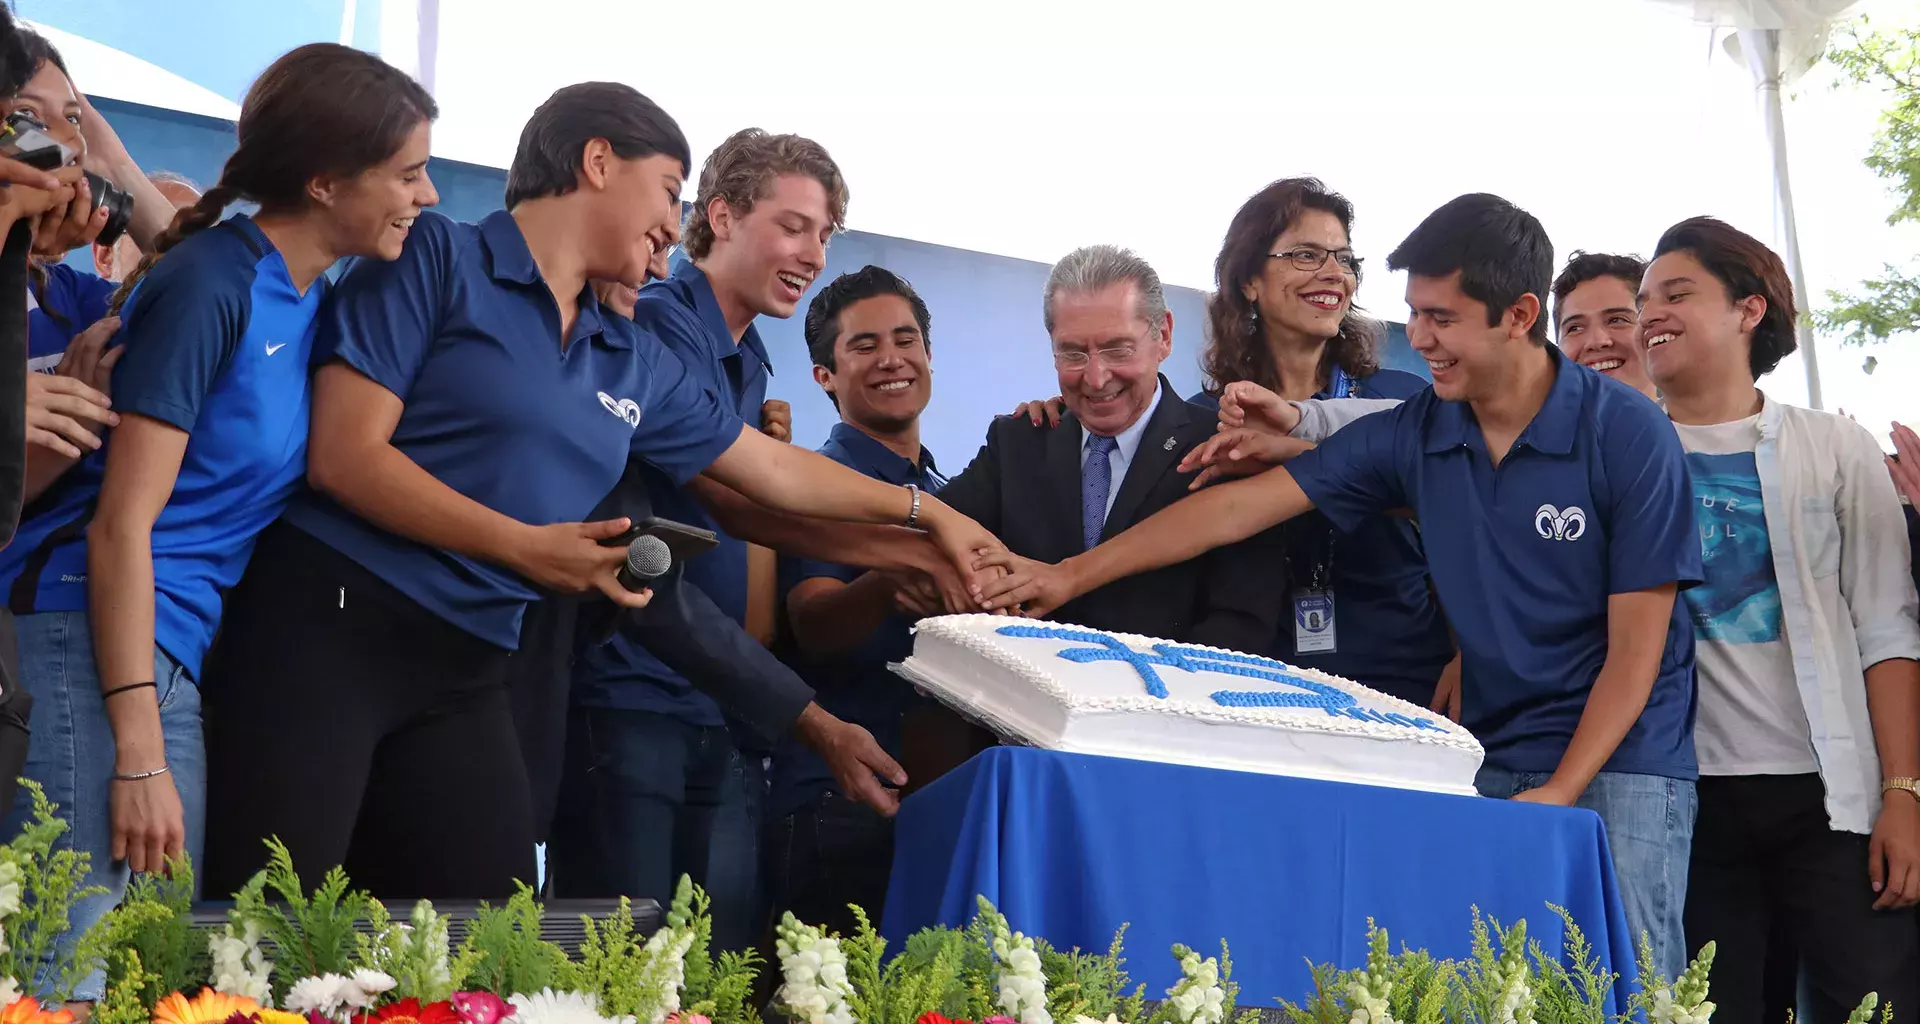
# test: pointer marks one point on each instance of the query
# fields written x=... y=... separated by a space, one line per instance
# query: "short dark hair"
x=1590 y=266
x=17 y=65
x=741 y=172
x=1501 y=251
x=1745 y=266
x=547 y=162
x=822 y=327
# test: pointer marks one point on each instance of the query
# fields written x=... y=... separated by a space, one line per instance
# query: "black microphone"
x=648 y=559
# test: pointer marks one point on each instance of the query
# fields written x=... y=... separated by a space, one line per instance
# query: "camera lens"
x=119 y=206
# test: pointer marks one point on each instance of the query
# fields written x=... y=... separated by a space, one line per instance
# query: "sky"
x=1031 y=127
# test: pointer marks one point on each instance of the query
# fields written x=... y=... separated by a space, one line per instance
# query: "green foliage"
x=412 y=953
x=1084 y=984
x=1327 y=1005
x=1887 y=60
x=718 y=989
x=126 y=1000
x=610 y=965
x=312 y=935
x=151 y=925
x=1570 y=989
x=39 y=885
x=503 y=950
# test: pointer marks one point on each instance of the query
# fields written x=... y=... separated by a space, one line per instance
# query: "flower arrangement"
x=336 y=955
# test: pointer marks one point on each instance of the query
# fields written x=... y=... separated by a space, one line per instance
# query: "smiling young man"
x=870 y=337
x=1596 y=319
x=1559 y=526
x=690 y=799
x=1809 y=730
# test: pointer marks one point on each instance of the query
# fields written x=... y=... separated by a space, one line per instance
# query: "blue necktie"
x=1096 y=479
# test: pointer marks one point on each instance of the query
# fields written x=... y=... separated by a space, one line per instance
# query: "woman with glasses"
x=1283 y=318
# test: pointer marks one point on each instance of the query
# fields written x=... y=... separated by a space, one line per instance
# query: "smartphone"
x=683 y=540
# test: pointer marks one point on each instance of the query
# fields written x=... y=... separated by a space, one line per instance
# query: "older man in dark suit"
x=1050 y=493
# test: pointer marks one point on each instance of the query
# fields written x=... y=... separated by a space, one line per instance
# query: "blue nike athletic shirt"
x=463 y=329
x=217 y=343
x=1593 y=500
x=682 y=312
x=1389 y=631
x=70 y=302
x=856 y=686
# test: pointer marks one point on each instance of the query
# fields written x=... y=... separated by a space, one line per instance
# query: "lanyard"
x=1319 y=568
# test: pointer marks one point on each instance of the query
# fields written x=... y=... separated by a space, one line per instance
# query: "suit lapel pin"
x=1170 y=443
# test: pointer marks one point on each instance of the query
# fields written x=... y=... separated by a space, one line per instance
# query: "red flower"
x=934 y=1018
x=409 y=1011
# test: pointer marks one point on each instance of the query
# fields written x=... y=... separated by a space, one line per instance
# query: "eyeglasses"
x=1077 y=359
x=1312 y=257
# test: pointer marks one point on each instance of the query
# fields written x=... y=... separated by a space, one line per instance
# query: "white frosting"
x=1103 y=704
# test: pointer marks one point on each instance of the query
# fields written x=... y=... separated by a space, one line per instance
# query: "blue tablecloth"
x=1072 y=846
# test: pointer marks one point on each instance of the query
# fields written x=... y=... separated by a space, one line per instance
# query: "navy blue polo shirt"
x=856 y=686
x=1593 y=500
x=217 y=341
x=1390 y=631
x=682 y=312
x=464 y=330
x=68 y=303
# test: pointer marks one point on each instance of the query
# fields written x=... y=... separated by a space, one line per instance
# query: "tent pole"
x=1762 y=50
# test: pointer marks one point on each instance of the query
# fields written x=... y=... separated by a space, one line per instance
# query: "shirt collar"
x=509 y=259
x=879 y=460
x=1552 y=429
x=1127 y=441
x=707 y=307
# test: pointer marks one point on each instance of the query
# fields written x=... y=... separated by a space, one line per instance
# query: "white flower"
x=1197 y=997
x=815 y=972
x=9 y=992
x=366 y=986
x=1021 y=982
x=549 y=1007
x=240 y=966
x=9 y=887
x=321 y=994
x=1668 y=1011
x=1084 y=1019
x=665 y=969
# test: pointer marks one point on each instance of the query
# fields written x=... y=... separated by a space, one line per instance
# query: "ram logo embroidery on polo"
x=1552 y=523
x=625 y=408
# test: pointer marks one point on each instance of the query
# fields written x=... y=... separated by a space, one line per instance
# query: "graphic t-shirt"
x=1750 y=721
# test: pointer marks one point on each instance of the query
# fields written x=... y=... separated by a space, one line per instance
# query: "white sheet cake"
x=1065 y=687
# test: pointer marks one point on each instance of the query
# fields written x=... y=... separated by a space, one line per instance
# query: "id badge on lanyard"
x=1314 y=630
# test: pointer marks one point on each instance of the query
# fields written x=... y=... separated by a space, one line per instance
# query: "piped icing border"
x=977 y=634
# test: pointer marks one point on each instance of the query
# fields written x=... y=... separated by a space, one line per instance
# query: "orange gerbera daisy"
x=27 y=1010
x=209 y=1007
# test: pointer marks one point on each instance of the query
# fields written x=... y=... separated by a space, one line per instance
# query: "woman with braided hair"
x=212 y=397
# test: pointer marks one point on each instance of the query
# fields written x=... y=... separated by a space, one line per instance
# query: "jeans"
x=830 y=853
x=646 y=798
x=1649 y=820
x=72 y=753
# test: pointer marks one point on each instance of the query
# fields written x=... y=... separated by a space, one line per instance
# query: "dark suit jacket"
x=1024 y=486
x=681 y=626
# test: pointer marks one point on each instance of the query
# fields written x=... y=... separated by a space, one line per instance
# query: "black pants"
x=362 y=730
x=826 y=855
x=1767 y=870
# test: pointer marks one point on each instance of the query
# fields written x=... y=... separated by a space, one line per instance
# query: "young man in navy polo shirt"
x=1559 y=522
x=694 y=799
x=870 y=337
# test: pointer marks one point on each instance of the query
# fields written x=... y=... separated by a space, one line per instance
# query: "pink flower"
x=999 y=1020
x=687 y=1018
x=480 y=1007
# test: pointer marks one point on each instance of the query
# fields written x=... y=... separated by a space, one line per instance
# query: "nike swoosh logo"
x=272 y=348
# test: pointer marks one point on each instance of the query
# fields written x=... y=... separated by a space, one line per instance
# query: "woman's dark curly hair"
x=1236 y=346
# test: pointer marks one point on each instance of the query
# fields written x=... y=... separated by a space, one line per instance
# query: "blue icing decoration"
x=1305 y=693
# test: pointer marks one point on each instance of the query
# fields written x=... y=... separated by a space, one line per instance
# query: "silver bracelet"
x=137 y=776
x=913 y=515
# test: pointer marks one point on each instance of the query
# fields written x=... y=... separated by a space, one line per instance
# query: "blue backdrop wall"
x=989 y=350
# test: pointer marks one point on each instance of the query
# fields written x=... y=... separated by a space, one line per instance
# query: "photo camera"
x=25 y=139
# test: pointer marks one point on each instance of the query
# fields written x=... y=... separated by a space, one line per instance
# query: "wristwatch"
x=1910 y=786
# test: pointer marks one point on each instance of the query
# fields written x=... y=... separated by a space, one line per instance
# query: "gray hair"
x=1098 y=267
